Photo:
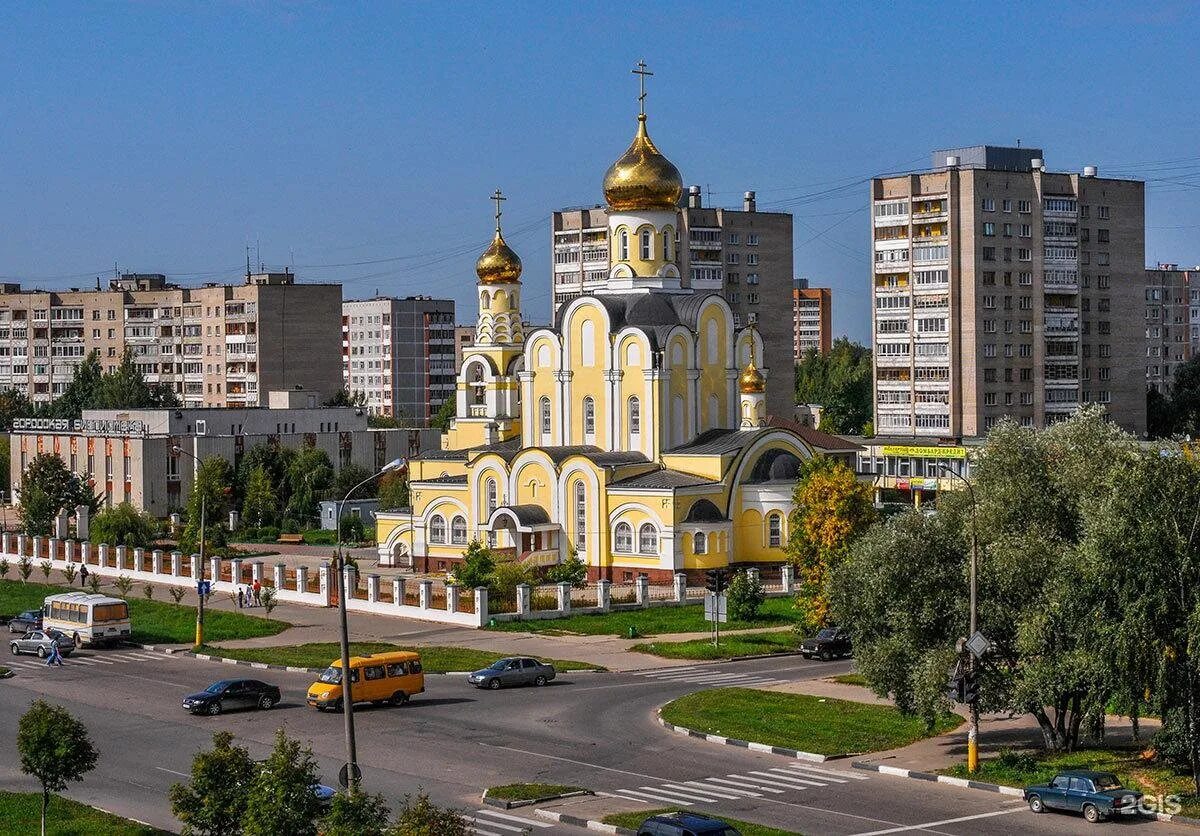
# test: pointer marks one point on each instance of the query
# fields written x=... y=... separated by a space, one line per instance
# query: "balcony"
x=1060 y=286
x=931 y=215
x=888 y=361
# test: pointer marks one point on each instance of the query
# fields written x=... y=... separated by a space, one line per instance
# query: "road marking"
x=659 y=798
x=929 y=824
x=766 y=779
x=745 y=784
x=86 y=662
x=506 y=817
x=571 y=760
x=786 y=779
x=503 y=826
x=805 y=774
x=834 y=772
x=173 y=772
x=724 y=793
x=690 y=795
x=707 y=784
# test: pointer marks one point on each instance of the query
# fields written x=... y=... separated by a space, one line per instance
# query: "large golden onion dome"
x=642 y=178
x=751 y=381
x=498 y=263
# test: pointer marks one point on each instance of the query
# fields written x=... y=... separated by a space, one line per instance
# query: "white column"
x=156 y=561
x=7 y=541
x=52 y=549
x=398 y=591
x=280 y=575
x=37 y=547
x=214 y=569
x=680 y=587
x=138 y=555
x=481 y=605
x=194 y=560
x=641 y=588
x=120 y=556
x=302 y=579
x=452 y=592
x=85 y=552
x=523 y=599
x=786 y=577
x=564 y=597
x=235 y=570
x=350 y=579
x=604 y=594
x=372 y=587
x=256 y=571
x=425 y=592
x=176 y=564
x=69 y=551
x=326 y=574
x=102 y=553
x=22 y=543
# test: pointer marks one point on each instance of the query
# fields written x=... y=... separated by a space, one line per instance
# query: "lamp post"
x=177 y=450
x=347 y=699
x=973 y=731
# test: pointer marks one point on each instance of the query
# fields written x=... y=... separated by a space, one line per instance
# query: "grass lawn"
x=1020 y=769
x=634 y=820
x=529 y=792
x=798 y=721
x=433 y=659
x=851 y=679
x=159 y=622
x=20 y=812
x=739 y=644
x=654 y=621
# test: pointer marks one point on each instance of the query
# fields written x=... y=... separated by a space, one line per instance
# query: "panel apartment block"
x=812 y=311
x=1172 y=321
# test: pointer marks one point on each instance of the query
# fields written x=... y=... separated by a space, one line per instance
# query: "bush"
x=745 y=597
x=4 y=567
x=573 y=571
x=93 y=582
x=123 y=525
x=148 y=591
x=320 y=537
x=477 y=567
x=268 y=599
x=177 y=593
x=47 y=567
x=70 y=573
x=1171 y=742
x=123 y=583
x=352 y=529
x=24 y=568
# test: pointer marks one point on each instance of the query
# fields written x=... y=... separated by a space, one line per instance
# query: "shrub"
x=543 y=601
x=421 y=817
x=477 y=567
x=24 y=568
x=352 y=529
x=268 y=599
x=93 y=582
x=745 y=597
x=572 y=571
x=123 y=525
x=70 y=573
x=1171 y=742
x=4 y=567
x=148 y=591
x=124 y=584
x=47 y=567
x=320 y=537
x=177 y=593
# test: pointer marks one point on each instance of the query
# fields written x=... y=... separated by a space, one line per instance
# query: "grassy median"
x=738 y=644
x=634 y=820
x=655 y=621
x=530 y=792
x=154 y=622
x=434 y=659
x=798 y=721
x=20 y=812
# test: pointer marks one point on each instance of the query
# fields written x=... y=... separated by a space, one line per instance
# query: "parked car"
x=232 y=693
x=685 y=824
x=1097 y=795
x=39 y=642
x=832 y=642
x=26 y=621
x=512 y=671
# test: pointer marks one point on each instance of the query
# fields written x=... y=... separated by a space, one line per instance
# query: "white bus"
x=87 y=618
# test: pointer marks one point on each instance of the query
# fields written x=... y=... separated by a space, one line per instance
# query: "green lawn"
x=797 y=721
x=851 y=679
x=738 y=644
x=1020 y=769
x=655 y=621
x=20 y=812
x=529 y=792
x=634 y=820
x=154 y=622
x=434 y=659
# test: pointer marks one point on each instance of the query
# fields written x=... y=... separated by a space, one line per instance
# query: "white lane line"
x=787 y=780
x=680 y=669
x=746 y=784
x=604 y=794
x=503 y=826
x=688 y=675
x=690 y=795
x=929 y=824
x=506 y=817
x=707 y=784
x=483 y=832
x=79 y=661
x=172 y=772
x=768 y=778
x=96 y=661
x=804 y=774
x=834 y=772
x=126 y=657
x=653 y=797
x=724 y=793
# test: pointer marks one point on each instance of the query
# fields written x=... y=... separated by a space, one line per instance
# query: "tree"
x=1161 y=419
x=24 y=567
x=280 y=800
x=361 y=814
x=13 y=404
x=213 y=803
x=269 y=599
x=37 y=511
x=1185 y=398
x=47 y=487
x=125 y=388
x=309 y=474
x=260 y=506
x=69 y=573
x=830 y=507
x=745 y=596
x=348 y=477
x=393 y=490
x=841 y=382
x=352 y=529
x=421 y=817
x=213 y=484
x=5 y=473
x=54 y=748
x=573 y=571
x=477 y=566
x=124 y=525
x=82 y=392
x=343 y=397
x=444 y=416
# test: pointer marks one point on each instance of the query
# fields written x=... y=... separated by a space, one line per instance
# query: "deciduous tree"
x=361 y=814
x=261 y=505
x=54 y=747
x=213 y=802
x=421 y=817
x=280 y=800
x=123 y=525
x=841 y=382
x=213 y=483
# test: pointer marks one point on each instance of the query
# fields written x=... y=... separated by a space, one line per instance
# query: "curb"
x=986 y=787
x=589 y=824
x=746 y=744
x=506 y=804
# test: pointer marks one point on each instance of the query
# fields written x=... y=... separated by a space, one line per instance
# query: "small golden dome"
x=751 y=381
x=498 y=263
x=642 y=178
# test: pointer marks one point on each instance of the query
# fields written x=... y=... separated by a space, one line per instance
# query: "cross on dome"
x=498 y=196
x=641 y=72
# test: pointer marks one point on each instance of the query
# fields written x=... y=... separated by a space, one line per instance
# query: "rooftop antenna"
x=247 y=262
x=258 y=253
x=1018 y=143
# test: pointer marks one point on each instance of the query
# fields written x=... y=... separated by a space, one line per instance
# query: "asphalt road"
x=594 y=730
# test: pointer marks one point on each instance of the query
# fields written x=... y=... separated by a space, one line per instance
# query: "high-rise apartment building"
x=745 y=254
x=1002 y=289
x=464 y=336
x=399 y=354
x=1172 y=321
x=812 y=308
x=216 y=345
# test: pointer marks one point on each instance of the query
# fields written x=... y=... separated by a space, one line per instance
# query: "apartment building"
x=744 y=254
x=1003 y=289
x=399 y=355
x=1172 y=321
x=812 y=309
x=464 y=336
x=216 y=345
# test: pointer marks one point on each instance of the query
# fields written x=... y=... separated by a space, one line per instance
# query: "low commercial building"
x=128 y=454
x=906 y=469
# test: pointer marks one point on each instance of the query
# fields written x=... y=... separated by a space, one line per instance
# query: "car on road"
x=829 y=643
x=26 y=621
x=378 y=678
x=1098 y=795
x=40 y=641
x=685 y=824
x=519 y=670
x=232 y=693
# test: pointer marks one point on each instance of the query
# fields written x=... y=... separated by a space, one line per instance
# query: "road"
x=594 y=730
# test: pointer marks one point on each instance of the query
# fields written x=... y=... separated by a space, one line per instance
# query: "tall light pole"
x=347 y=699
x=973 y=732
x=177 y=450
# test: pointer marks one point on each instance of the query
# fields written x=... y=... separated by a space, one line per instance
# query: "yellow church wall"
x=677 y=391
x=717 y=554
x=535 y=484
x=541 y=359
x=463 y=434
x=587 y=333
x=714 y=360
x=639 y=265
x=750 y=539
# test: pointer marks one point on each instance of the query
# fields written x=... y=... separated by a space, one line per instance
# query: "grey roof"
x=663 y=478
x=601 y=457
x=507 y=449
x=655 y=314
x=528 y=514
x=446 y=480
x=716 y=443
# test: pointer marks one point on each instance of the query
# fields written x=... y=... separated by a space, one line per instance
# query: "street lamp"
x=973 y=732
x=177 y=450
x=352 y=771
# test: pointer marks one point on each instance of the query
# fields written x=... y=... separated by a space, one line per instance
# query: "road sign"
x=204 y=588
x=343 y=775
x=714 y=607
x=978 y=644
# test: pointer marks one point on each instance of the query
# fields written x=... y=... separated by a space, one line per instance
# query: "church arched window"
x=635 y=416
x=775 y=530
x=589 y=417
x=648 y=539
x=437 y=529
x=545 y=413
x=714 y=412
x=458 y=531
x=580 y=516
x=484 y=299
x=699 y=543
x=623 y=539
x=668 y=236
x=647 y=245
x=623 y=245
x=492 y=497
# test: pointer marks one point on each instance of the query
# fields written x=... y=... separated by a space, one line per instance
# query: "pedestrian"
x=54 y=657
x=83 y=575
x=257 y=593
x=241 y=598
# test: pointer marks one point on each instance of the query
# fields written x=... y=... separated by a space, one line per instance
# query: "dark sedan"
x=832 y=642
x=1097 y=795
x=232 y=693
x=26 y=621
x=512 y=671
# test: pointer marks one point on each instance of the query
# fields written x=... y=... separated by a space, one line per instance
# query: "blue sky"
x=360 y=142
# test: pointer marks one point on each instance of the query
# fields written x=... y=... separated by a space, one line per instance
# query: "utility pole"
x=972 y=662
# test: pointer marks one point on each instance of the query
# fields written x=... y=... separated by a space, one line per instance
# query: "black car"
x=1097 y=795
x=232 y=693
x=512 y=671
x=685 y=824
x=26 y=621
x=830 y=643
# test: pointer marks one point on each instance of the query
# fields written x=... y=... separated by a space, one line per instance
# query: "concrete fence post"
x=398 y=591
x=425 y=593
x=787 y=578
x=481 y=605
x=302 y=579
x=256 y=571
x=69 y=551
x=22 y=545
x=214 y=570
x=350 y=579
x=280 y=575
x=194 y=562
x=37 y=547
x=604 y=595
x=83 y=527
x=7 y=543
x=62 y=525
x=52 y=548
x=156 y=561
x=102 y=555
x=235 y=570
x=753 y=574
x=680 y=587
x=641 y=590
x=176 y=564
x=372 y=587
x=139 y=555
x=85 y=552
x=564 y=597
x=452 y=593
x=523 y=599
x=326 y=575
x=119 y=557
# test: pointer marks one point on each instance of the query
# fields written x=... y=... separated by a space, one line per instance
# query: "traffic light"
x=715 y=580
x=956 y=688
x=970 y=690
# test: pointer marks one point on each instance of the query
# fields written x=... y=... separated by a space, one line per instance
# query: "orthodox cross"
x=641 y=72
x=497 y=197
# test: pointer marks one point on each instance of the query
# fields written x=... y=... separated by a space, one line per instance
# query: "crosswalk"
x=750 y=783
x=88 y=659
x=486 y=822
x=708 y=676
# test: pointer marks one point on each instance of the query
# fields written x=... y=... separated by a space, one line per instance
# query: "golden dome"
x=751 y=381
x=642 y=178
x=498 y=263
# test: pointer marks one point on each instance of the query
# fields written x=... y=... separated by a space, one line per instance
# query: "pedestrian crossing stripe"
x=85 y=661
x=751 y=784
x=494 y=823
x=703 y=675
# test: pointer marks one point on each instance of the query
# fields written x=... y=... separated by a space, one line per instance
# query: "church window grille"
x=774 y=530
x=545 y=410
x=648 y=539
x=699 y=543
x=437 y=529
x=580 y=516
x=458 y=531
x=635 y=416
x=589 y=417
x=624 y=538
x=647 y=245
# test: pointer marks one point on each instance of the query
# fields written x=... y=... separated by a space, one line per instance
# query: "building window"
x=580 y=516
x=989 y=228
x=775 y=530
x=623 y=538
x=667 y=244
x=458 y=531
x=699 y=543
x=988 y=204
x=647 y=539
x=635 y=416
x=647 y=245
x=589 y=416
x=623 y=245
x=437 y=529
x=545 y=411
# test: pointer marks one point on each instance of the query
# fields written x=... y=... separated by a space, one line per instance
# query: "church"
x=632 y=433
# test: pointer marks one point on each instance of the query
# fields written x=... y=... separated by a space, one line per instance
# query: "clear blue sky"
x=361 y=141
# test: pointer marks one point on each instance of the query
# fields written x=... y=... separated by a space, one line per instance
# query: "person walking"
x=83 y=575
x=241 y=598
x=257 y=593
x=54 y=657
